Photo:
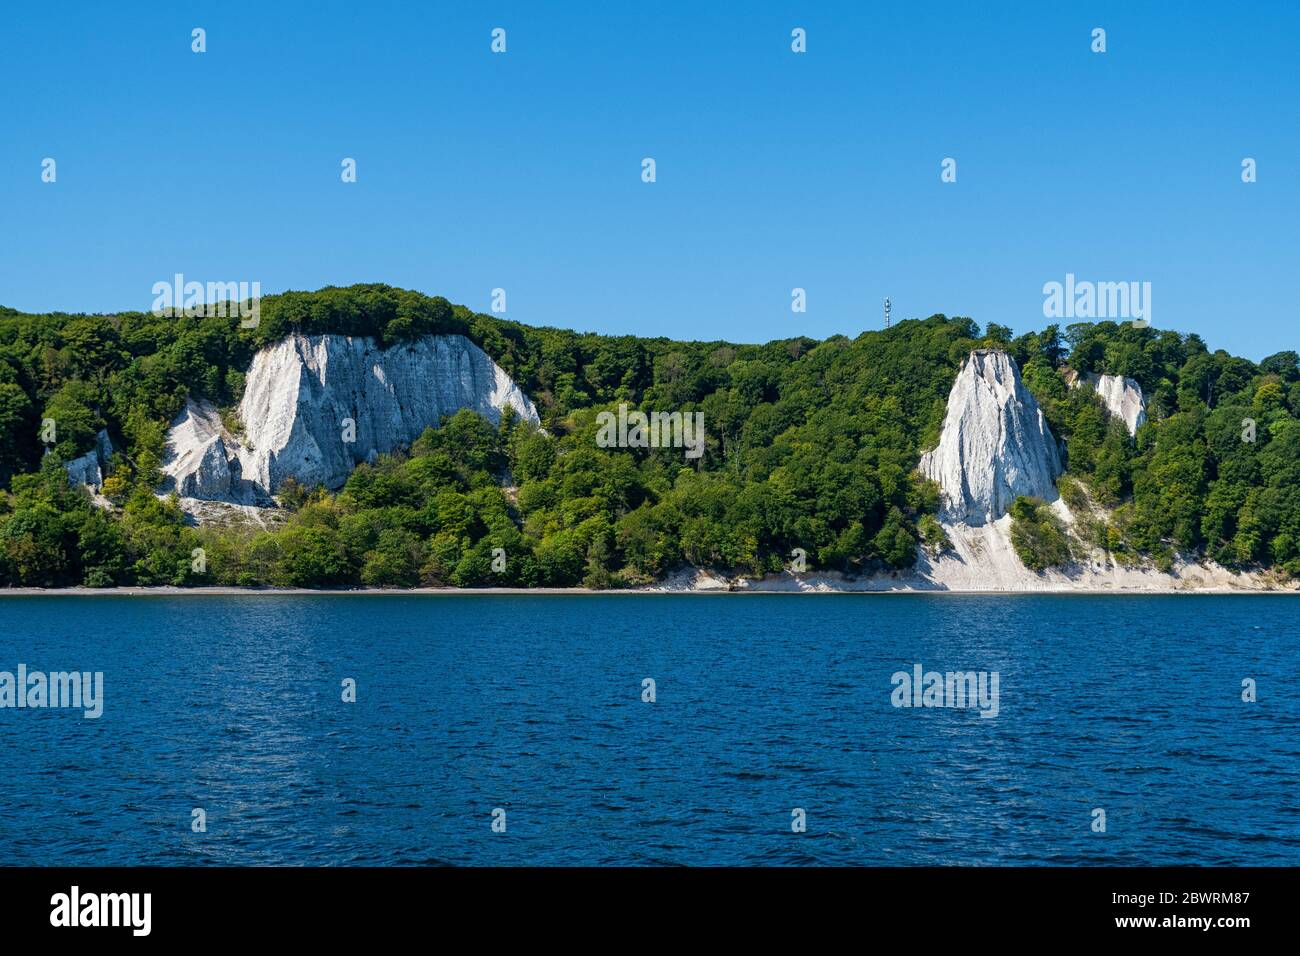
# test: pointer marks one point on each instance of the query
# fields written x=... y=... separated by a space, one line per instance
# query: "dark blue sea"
x=764 y=705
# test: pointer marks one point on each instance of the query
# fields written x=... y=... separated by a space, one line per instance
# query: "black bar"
x=334 y=905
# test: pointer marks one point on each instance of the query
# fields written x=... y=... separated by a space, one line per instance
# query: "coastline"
x=232 y=591
x=972 y=568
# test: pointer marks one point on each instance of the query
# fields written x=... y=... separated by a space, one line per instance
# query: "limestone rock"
x=1121 y=396
x=90 y=468
x=306 y=395
x=995 y=444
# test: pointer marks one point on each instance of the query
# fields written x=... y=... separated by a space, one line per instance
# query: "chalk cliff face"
x=90 y=468
x=1121 y=396
x=995 y=444
x=306 y=396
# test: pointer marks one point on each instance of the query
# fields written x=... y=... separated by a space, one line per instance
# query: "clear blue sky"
x=775 y=170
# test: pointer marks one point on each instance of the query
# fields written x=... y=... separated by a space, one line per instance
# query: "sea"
x=651 y=729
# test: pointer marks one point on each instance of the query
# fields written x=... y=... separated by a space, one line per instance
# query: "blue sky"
x=775 y=170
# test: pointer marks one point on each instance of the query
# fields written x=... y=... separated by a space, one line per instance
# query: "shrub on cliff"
x=1038 y=535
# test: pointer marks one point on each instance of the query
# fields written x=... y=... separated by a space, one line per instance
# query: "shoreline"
x=233 y=591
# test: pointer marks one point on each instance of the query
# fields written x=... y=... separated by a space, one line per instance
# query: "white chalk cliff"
x=995 y=444
x=1121 y=396
x=90 y=468
x=298 y=396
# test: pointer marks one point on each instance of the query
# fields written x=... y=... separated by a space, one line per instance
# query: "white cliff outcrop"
x=90 y=468
x=995 y=444
x=1121 y=396
x=305 y=396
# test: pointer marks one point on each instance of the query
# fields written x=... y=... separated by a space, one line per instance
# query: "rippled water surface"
x=765 y=703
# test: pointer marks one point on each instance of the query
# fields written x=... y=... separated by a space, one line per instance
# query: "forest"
x=809 y=444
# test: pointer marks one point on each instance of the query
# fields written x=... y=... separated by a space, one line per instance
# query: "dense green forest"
x=811 y=445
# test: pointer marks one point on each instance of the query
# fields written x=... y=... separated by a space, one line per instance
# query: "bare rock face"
x=995 y=444
x=198 y=463
x=1121 y=396
x=306 y=396
x=90 y=468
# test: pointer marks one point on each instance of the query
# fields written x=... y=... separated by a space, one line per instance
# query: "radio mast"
x=886 y=313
